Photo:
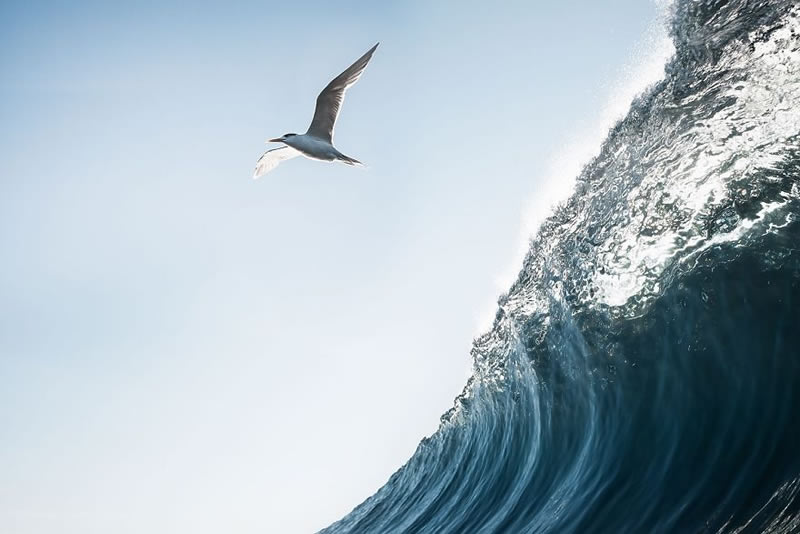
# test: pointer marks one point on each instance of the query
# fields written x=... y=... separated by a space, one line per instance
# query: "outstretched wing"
x=271 y=158
x=330 y=99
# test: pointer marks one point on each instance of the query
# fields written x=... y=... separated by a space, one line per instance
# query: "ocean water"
x=643 y=372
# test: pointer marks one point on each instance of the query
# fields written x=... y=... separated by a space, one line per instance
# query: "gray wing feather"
x=330 y=99
x=271 y=158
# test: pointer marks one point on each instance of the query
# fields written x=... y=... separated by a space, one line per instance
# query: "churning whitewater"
x=643 y=372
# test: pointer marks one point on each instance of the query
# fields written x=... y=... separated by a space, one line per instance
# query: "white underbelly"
x=312 y=147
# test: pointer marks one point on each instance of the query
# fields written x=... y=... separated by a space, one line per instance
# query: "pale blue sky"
x=183 y=349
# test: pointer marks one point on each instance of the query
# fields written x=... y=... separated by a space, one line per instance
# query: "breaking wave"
x=643 y=372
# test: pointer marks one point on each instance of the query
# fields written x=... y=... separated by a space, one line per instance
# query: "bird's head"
x=281 y=139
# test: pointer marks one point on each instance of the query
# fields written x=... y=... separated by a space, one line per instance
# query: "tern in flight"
x=317 y=142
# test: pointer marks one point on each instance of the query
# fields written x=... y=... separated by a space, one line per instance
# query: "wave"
x=642 y=374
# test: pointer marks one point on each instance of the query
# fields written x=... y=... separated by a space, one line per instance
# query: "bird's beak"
x=276 y=140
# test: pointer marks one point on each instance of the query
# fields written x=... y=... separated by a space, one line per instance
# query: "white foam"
x=645 y=67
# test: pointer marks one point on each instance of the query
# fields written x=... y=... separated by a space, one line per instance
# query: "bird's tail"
x=350 y=161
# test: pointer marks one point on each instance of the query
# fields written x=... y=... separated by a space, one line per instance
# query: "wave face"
x=643 y=372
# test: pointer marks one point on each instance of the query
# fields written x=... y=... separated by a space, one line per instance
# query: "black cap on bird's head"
x=282 y=138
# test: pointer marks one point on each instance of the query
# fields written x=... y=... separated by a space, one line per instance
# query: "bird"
x=317 y=142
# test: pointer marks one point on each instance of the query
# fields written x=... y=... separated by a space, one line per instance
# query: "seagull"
x=317 y=142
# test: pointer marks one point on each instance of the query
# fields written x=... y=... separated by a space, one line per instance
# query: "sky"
x=184 y=349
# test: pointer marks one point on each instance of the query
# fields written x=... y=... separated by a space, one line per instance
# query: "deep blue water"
x=643 y=372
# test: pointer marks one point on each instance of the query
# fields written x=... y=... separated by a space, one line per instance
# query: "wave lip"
x=643 y=372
